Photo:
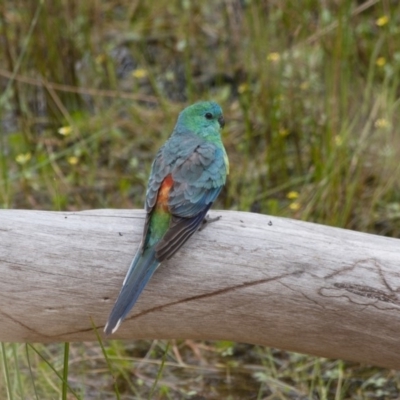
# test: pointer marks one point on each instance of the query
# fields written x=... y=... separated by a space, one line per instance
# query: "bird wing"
x=197 y=181
x=160 y=178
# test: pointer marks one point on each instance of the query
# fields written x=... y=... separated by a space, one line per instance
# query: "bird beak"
x=221 y=121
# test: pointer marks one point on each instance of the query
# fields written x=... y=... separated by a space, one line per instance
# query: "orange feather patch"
x=163 y=193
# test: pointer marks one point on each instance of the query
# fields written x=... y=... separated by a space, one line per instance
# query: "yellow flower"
x=283 y=132
x=100 y=58
x=338 y=140
x=274 y=57
x=295 y=206
x=381 y=123
x=65 y=130
x=381 y=61
x=381 y=21
x=139 y=73
x=23 y=158
x=292 y=195
x=73 y=160
x=304 y=85
x=243 y=87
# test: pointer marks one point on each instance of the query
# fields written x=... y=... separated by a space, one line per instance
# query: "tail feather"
x=139 y=273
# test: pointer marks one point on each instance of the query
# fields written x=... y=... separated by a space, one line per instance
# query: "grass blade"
x=55 y=371
x=159 y=373
x=65 y=371
x=106 y=358
x=6 y=372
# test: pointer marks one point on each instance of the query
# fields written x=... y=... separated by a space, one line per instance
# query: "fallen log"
x=249 y=278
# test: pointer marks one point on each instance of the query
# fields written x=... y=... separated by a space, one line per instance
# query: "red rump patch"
x=163 y=192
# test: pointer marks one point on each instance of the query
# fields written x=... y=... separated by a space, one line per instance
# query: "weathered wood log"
x=248 y=277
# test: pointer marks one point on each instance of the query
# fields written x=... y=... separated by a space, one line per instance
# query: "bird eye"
x=209 y=115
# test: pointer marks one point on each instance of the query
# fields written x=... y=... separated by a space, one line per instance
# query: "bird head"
x=203 y=118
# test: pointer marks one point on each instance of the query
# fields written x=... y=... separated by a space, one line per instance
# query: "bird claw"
x=208 y=220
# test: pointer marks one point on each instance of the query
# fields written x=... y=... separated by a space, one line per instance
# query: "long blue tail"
x=141 y=270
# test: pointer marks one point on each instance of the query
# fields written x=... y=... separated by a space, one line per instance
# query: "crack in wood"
x=369 y=292
x=28 y=328
x=216 y=293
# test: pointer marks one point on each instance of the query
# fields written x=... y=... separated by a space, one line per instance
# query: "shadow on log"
x=249 y=278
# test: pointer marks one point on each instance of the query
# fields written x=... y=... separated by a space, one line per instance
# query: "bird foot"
x=207 y=220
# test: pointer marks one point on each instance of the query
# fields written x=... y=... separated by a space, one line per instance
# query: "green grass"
x=311 y=96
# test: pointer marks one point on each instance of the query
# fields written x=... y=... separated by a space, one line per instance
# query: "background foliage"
x=311 y=95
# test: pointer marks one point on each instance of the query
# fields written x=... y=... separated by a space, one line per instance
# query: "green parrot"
x=187 y=175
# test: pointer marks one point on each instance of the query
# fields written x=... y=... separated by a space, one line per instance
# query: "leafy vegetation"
x=311 y=96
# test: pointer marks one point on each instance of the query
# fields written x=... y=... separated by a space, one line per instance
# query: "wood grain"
x=247 y=277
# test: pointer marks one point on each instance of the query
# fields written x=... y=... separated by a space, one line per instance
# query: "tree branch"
x=247 y=277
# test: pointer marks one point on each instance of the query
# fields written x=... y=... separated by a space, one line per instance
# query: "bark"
x=249 y=278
